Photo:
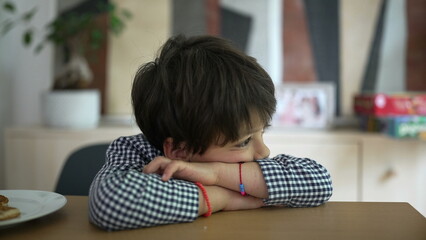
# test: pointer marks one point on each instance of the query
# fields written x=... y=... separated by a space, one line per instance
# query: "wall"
x=188 y=17
x=144 y=34
x=27 y=73
x=264 y=42
x=23 y=75
x=152 y=25
x=357 y=28
x=391 y=75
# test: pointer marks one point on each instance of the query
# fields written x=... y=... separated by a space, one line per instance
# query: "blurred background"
x=329 y=51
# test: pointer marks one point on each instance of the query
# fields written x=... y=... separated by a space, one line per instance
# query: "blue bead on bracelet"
x=242 y=190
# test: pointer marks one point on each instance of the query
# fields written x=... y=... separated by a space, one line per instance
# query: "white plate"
x=32 y=204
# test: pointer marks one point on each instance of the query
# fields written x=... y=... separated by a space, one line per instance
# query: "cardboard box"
x=390 y=105
x=406 y=126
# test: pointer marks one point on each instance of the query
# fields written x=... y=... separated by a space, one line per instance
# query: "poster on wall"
x=309 y=106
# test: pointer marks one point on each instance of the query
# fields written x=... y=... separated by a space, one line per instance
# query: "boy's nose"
x=262 y=151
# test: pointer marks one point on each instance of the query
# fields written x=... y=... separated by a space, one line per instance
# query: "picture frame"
x=309 y=105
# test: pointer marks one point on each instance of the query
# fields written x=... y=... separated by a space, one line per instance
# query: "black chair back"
x=80 y=169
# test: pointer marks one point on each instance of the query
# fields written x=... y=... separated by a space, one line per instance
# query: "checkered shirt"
x=122 y=197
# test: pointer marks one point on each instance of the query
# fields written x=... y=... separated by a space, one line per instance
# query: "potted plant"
x=72 y=102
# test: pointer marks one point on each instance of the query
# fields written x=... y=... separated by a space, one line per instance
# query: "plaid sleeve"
x=122 y=197
x=295 y=182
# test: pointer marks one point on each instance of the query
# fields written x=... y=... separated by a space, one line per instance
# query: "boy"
x=202 y=107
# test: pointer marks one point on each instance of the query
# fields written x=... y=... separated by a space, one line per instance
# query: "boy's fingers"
x=154 y=166
x=170 y=170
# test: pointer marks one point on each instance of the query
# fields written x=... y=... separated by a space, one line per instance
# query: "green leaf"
x=39 y=47
x=27 y=38
x=7 y=26
x=96 y=34
x=127 y=14
x=116 y=24
x=110 y=7
x=101 y=7
x=8 y=6
x=29 y=15
x=96 y=38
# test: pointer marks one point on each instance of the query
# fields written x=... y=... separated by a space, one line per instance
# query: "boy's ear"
x=179 y=153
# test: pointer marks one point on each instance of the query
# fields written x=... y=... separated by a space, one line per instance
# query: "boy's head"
x=200 y=91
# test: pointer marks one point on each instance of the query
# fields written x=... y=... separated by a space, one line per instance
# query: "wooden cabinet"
x=394 y=170
x=338 y=153
x=34 y=156
x=363 y=167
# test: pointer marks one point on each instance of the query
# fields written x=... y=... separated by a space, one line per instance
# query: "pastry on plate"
x=7 y=212
x=3 y=200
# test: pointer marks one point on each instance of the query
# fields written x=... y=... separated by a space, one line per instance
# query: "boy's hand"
x=238 y=202
x=223 y=199
x=206 y=173
x=190 y=171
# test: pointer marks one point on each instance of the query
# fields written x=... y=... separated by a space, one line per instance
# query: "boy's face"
x=249 y=147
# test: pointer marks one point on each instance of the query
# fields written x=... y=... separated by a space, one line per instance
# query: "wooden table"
x=333 y=220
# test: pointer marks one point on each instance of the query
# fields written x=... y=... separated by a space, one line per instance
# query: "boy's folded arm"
x=131 y=199
x=122 y=197
x=251 y=176
x=295 y=182
x=225 y=199
x=283 y=180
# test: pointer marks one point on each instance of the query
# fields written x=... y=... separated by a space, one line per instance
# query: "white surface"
x=73 y=109
x=264 y=43
x=357 y=27
x=23 y=74
x=392 y=59
x=32 y=204
x=27 y=73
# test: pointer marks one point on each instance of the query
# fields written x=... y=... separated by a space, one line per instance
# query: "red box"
x=390 y=105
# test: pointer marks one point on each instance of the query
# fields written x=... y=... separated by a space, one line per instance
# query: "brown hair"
x=199 y=89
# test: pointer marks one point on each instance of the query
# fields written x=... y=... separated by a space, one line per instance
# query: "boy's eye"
x=245 y=143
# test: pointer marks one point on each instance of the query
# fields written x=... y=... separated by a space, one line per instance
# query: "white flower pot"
x=72 y=109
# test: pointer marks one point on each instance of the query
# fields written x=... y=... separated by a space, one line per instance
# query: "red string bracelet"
x=206 y=197
x=242 y=190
